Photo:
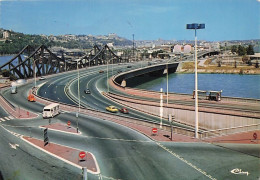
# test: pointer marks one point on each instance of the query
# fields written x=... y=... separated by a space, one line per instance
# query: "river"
x=5 y=59
x=232 y=85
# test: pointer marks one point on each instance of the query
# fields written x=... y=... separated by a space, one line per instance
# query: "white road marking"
x=1 y=119
x=13 y=146
x=11 y=117
x=7 y=118
x=186 y=162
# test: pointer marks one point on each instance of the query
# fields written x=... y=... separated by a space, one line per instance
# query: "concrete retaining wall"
x=213 y=122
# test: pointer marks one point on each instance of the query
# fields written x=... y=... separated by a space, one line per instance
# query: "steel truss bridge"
x=41 y=61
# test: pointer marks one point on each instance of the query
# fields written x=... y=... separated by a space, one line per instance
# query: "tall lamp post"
x=77 y=114
x=196 y=26
x=34 y=69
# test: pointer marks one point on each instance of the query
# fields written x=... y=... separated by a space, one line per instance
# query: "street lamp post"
x=167 y=78
x=107 y=78
x=34 y=69
x=196 y=26
x=78 y=98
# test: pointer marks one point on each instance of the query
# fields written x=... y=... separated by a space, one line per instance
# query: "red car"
x=124 y=110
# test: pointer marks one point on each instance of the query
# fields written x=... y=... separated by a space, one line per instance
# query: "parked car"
x=112 y=109
x=87 y=91
x=101 y=71
x=129 y=66
x=124 y=110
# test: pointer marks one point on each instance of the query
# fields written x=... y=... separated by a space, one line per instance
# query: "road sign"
x=255 y=136
x=82 y=154
x=68 y=123
x=45 y=136
x=154 y=130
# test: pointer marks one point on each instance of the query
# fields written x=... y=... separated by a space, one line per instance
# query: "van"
x=13 y=89
x=51 y=110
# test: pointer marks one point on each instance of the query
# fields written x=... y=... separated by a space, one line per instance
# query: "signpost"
x=171 y=118
x=68 y=123
x=154 y=131
x=82 y=155
x=77 y=116
x=85 y=173
x=45 y=137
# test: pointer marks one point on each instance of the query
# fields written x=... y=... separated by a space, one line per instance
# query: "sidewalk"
x=252 y=137
x=16 y=112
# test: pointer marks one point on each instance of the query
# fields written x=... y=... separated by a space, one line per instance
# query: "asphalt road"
x=121 y=152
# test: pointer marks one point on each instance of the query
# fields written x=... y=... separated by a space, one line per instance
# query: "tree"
x=234 y=49
x=256 y=64
x=241 y=50
x=250 y=50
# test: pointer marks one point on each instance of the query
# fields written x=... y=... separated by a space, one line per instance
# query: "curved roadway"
x=121 y=152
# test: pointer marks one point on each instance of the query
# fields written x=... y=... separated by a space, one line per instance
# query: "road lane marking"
x=13 y=146
x=1 y=119
x=186 y=162
x=7 y=118
x=11 y=117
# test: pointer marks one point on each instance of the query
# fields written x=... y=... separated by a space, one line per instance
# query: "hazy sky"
x=147 y=19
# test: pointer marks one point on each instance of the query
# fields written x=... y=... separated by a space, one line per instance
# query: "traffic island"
x=75 y=157
x=61 y=127
x=16 y=112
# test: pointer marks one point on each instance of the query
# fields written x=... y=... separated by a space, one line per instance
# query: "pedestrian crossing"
x=7 y=118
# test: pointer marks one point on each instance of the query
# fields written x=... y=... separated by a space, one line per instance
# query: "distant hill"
x=16 y=41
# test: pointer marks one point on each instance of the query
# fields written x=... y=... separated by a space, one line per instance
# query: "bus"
x=51 y=110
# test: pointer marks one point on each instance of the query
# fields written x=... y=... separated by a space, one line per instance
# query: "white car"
x=42 y=78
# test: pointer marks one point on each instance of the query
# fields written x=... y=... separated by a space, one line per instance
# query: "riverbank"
x=188 y=67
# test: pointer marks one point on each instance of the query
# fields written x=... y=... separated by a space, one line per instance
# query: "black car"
x=129 y=66
x=87 y=91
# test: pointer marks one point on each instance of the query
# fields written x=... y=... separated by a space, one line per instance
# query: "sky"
x=146 y=19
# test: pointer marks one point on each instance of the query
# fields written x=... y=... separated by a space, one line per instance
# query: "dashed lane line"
x=186 y=162
x=7 y=118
